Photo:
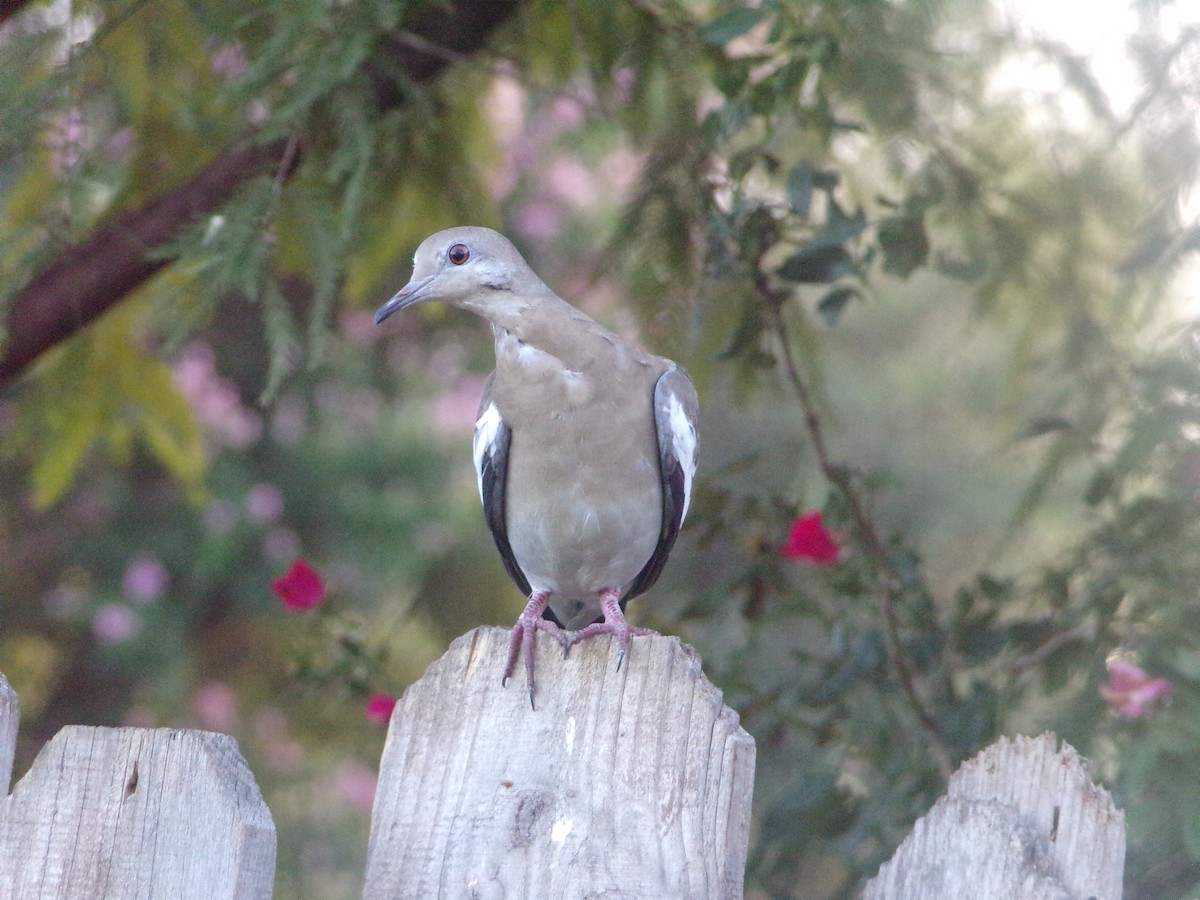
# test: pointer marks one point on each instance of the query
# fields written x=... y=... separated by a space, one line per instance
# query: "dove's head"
x=474 y=268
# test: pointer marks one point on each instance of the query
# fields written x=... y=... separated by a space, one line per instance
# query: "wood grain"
x=137 y=813
x=10 y=717
x=633 y=783
x=1020 y=821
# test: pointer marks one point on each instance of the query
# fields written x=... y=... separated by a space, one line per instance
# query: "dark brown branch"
x=90 y=277
x=9 y=8
x=442 y=38
x=842 y=479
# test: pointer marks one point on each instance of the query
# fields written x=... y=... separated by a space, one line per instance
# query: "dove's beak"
x=411 y=293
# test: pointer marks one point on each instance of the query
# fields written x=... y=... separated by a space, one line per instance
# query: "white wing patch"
x=683 y=443
x=487 y=426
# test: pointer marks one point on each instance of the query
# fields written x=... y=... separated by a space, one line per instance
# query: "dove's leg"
x=524 y=635
x=614 y=623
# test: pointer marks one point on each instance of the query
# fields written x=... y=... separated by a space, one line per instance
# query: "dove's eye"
x=458 y=254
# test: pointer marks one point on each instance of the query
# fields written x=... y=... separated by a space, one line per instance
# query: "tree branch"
x=454 y=34
x=90 y=277
x=9 y=8
x=888 y=585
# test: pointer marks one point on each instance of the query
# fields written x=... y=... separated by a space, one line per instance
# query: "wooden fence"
x=634 y=783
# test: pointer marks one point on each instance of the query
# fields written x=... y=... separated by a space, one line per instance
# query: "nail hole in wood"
x=132 y=782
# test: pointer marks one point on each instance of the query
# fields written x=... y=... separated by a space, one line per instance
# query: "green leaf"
x=968 y=270
x=1046 y=425
x=1100 y=487
x=842 y=227
x=745 y=336
x=832 y=304
x=104 y=388
x=29 y=82
x=1187 y=800
x=732 y=25
x=56 y=469
x=729 y=78
x=800 y=189
x=864 y=657
x=905 y=244
x=282 y=337
x=968 y=723
x=165 y=420
x=980 y=644
x=820 y=262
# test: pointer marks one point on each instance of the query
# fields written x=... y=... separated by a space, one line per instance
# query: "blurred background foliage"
x=932 y=279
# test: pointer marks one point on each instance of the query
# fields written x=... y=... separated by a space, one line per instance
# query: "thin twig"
x=286 y=164
x=501 y=66
x=424 y=45
x=1084 y=632
x=841 y=478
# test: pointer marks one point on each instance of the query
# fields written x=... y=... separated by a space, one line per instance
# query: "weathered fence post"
x=10 y=717
x=134 y=813
x=1020 y=821
x=631 y=783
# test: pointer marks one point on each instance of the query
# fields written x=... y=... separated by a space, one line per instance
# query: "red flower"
x=379 y=708
x=301 y=589
x=809 y=540
x=1130 y=691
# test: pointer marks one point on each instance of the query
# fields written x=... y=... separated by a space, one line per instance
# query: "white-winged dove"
x=585 y=447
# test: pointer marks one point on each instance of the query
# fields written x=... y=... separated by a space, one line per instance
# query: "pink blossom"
x=454 y=412
x=264 y=504
x=624 y=80
x=230 y=60
x=243 y=429
x=140 y=716
x=538 y=221
x=301 y=589
x=379 y=708
x=1130 y=692
x=215 y=400
x=216 y=706
x=257 y=111
x=355 y=784
x=146 y=579
x=67 y=138
x=569 y=180
x=115 y=623
x=810 y=541
x=119 y=145
x=619 y=171
x=358 y=327
x=283 y=752
x=568 y=113
x=195 y=369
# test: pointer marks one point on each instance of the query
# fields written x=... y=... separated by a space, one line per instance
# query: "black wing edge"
x=493 y=480
x=673 y=382
x=493 y=483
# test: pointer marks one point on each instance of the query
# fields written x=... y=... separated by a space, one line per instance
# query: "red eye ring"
x=458 y=254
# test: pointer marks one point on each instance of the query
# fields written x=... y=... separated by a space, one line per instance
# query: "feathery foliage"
x=918 y=297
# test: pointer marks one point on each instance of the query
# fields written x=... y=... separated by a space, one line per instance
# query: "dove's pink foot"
x=614 y=623
x=524 y=637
